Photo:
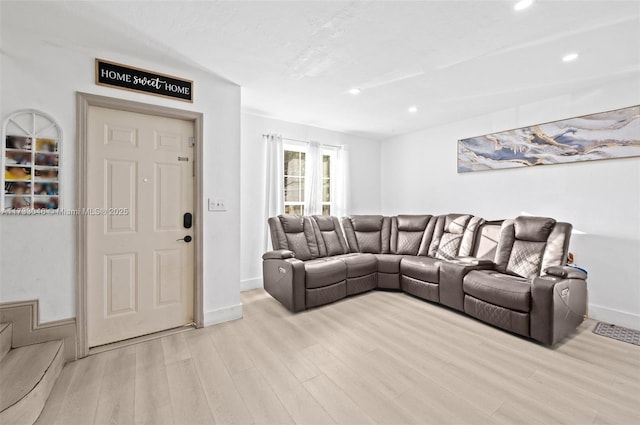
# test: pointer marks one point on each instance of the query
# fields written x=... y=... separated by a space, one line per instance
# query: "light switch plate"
x=216 y=204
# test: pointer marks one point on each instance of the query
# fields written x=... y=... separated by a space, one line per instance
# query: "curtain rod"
x=305 y=141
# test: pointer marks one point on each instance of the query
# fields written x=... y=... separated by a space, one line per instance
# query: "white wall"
x=40 y=71
x=364 y=190
x=600 y=198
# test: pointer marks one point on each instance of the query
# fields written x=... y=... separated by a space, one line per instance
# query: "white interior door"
x=140 y=183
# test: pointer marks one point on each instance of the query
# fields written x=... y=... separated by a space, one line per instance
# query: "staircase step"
x=28 y=374
x=6 y=333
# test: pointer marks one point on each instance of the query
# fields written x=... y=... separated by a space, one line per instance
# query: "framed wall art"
x=605 y=135
x=31 y=145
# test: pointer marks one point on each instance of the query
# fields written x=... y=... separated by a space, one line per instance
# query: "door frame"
x=83 y=102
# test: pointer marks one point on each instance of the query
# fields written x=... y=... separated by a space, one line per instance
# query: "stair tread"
x=22 y=368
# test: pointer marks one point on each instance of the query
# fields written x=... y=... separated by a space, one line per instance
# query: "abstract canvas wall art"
x=606 y=135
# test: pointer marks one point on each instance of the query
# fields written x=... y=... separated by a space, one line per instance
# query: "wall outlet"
x=217 y=204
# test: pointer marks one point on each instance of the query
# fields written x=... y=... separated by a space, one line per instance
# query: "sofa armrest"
x=566 y=272
x=279 y=254
x=452 y=273
x=558 y=306
x=285 y=280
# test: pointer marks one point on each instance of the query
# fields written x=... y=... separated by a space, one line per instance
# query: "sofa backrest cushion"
x=528 y=245
x=367 y=223
x=296 y=234
x=533 y=229
x=557 y=249
x=329 y=236
x=486 y=242
x=408 y=233
x=454 y=235
x=367 y=233
x=470 y=236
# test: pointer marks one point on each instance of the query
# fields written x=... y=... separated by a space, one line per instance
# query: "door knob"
x=186 y=239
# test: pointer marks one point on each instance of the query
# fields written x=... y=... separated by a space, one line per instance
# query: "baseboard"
x=27 y=329
x=249 y=284
x=224 y=314
x=616 y=317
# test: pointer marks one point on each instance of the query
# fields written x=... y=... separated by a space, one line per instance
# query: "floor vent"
x=617 y=332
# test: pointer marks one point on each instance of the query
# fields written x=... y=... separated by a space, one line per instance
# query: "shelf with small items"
x=31 y=161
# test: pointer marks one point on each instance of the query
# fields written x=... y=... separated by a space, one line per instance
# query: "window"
x=326 y=184
x=295 y=169
x=294 y=179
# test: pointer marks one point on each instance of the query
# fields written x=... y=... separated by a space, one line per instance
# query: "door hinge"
x=192 y=142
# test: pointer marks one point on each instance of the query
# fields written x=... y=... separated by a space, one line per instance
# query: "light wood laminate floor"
x=382 y=357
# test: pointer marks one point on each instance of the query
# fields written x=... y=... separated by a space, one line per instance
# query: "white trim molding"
x=27 y=328
x=615 y=317
x=83 y=101
x=249 y=284
x=224 y=314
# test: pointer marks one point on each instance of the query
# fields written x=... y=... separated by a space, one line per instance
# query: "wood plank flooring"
x=378 y=358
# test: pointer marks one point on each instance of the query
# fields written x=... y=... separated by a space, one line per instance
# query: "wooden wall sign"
x=124 y=77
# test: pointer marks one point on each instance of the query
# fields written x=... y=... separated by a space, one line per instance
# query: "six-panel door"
x=140 y=184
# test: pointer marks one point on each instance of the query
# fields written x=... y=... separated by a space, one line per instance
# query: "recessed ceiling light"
x=354 y=91
x=413 y=109
x=523 y=4
x=570 y=57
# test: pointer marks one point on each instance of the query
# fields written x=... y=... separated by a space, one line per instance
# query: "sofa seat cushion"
x=324 y=272
x=499 y=289
x=426 y=269
x=389 y=263
x=359 y=264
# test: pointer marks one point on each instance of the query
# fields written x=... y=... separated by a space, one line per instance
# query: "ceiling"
x=297 y=60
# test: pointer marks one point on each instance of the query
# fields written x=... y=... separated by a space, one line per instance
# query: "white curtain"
x=313 y=179
x=274 y=193
x=341 y=184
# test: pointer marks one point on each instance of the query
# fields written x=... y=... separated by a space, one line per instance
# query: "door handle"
x=187 y=239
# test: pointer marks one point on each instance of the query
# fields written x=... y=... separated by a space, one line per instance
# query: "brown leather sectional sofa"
x=510 y=274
